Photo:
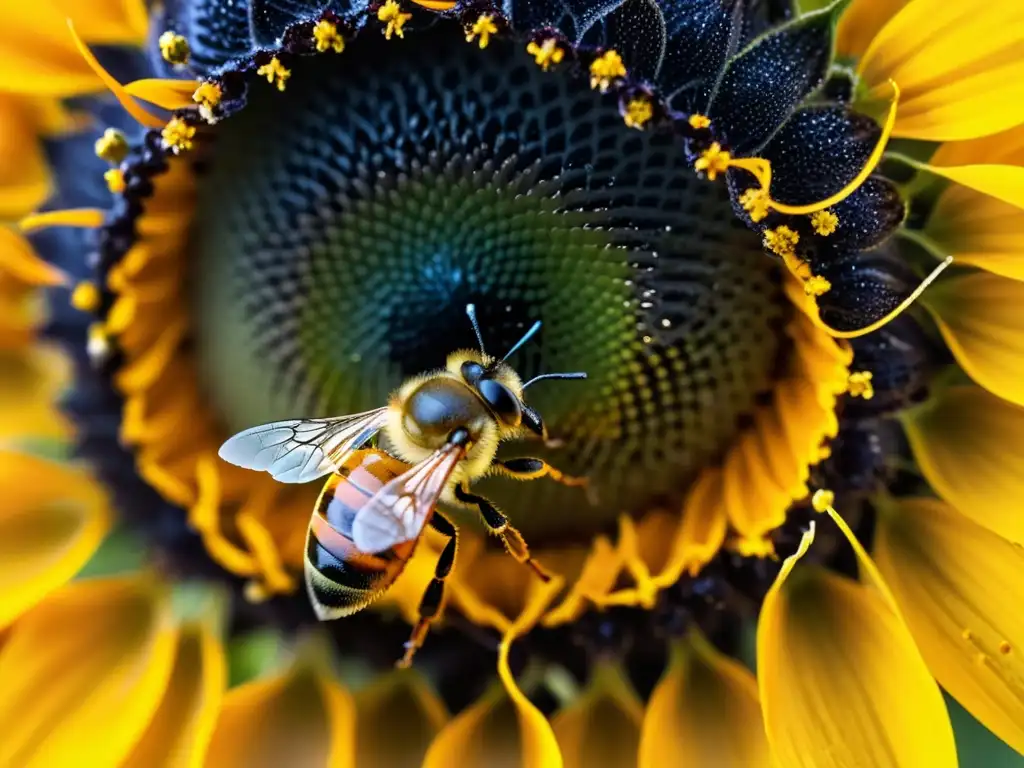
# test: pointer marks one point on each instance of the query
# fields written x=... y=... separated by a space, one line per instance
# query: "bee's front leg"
x=530 y=468
x=499 y=525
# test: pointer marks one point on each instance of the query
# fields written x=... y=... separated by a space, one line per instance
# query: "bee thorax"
x=438 y=407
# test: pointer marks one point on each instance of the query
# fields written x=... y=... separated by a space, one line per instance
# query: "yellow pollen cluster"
x=546 y=53
x=327 y=37
x=391 y=14
x=782 y=241
x=639 y=111
x=816 y=285
x=822 y=500
x=275 y=72
x=755 y=202
x=85 y=297
x=115 y=180
x=174 y=48
x=112 y=146
x=699 y=122
x=824 y=222
x=177 y=135
x=483 y=28
x=605 y=69
x=713 y=161
x=859 y=385
x=207 y=96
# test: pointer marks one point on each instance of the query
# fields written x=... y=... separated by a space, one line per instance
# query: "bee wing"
x=300 y=450
x=399 y=510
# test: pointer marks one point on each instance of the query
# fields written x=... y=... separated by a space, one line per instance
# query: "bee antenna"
x=576 y=375
x=471 y=311
x=526 y=337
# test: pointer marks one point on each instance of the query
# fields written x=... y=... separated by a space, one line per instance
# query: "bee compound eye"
x=471 y=371
x=501 y=400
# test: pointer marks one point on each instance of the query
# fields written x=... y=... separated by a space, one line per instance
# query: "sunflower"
x=783 y=240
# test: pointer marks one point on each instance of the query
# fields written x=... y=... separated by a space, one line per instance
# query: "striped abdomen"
x=341 y=579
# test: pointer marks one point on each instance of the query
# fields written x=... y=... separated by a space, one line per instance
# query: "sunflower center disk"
x=344 y=225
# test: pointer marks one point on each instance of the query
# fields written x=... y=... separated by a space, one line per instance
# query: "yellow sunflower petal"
x=301 y=719
x=83 y=674
x=168 y=94
x=977 y=229
x=990 y=164
x=39 y=56
x=1006 y=148
x=840 y=680
x=602 y=727
x=959 y=586
x=966 y=442
x=703 y=712
x=180 y=731
x=52 y=520
x=107 y=22
x=1003 y=182
x=397 y=718
x=503 y=728
x=701 y=532
x=30 y=381
x=958 y=65
x=981 y=320
x=597 y=578
x=24 y=177
x=861 y=21
x=18 y=260
x=131 y=106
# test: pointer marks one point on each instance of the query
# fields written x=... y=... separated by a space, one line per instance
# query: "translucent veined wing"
x=300 y=450
x=399 y=510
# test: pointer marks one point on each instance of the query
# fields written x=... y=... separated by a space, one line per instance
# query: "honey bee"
x=440 y=431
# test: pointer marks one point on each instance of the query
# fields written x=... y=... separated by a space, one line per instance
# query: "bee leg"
x=529 y=468
x=499 y=525
x=433 y=596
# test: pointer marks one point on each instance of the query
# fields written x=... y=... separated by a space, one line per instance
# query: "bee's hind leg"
x=433 y=596
x=499 y=525
x=529 y=468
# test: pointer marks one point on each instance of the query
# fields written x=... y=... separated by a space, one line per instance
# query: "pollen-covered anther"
x=177 y=135
x=606 y=69
x=782 y=241
x=255 y=592
x=327 y=37
x=822 y=500
x=208 y=96
x=391 y=14
x=824 y=222
x=482 y=28
x=639 y=112
x=699 y=122
x=85 y=297
x=713 y=161
x=275 y=72
x=546 y=53
x=859 y=385
x=816 y=285
x=755 y=202
x=174 y=48
x=115 y=180
x=97 y=344
x=112 y=146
